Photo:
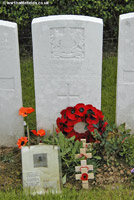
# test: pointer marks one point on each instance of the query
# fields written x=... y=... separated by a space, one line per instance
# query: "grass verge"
x=28 y=93
x=109 y=88
x=117 y=192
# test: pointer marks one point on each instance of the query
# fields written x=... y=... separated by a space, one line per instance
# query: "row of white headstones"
x=67 y=54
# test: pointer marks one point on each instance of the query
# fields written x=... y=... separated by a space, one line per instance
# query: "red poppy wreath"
x=84 y=115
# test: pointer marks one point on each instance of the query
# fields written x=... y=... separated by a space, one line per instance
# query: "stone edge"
x=67 y=17
x=127 y=16
x=8 y=24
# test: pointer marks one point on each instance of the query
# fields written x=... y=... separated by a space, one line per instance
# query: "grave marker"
x=41 y=169
x=67 y=51
x=84 y=168
x=125 y=74
x=11 y=124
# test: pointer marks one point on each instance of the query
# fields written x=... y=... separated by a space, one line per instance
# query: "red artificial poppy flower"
x=91 y=109
x=60 y=122
x=100 y=115
x=73 y=122
x=41 y=132
x=68 y=129
x=92 y=119
x=69 y=123
x=80 y=109
x=34 y=132
x=91 y=128
x=89 y=106
x=63 y=112
x=24 y=111
x=70 y=113
x=22 y=142
x=102 y=128
x=84 y=177
x=105 y=124
x=69 y=126
x=57 y=130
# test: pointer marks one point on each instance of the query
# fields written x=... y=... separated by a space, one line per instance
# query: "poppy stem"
x=28 y=134
x=38 y=139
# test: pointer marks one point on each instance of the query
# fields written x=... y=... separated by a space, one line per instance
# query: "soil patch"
x=11 y=172
x=10 y=168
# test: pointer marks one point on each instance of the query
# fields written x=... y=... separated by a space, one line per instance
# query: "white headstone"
x=125 y=74
x=41 y=169
x=11 y=124
x=67 y=54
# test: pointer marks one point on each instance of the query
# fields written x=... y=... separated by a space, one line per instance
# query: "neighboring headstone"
x=125 y=74
x=67 y=54
x=41 y=169
x=11 y=124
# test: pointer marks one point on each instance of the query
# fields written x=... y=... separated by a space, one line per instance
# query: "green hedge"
x=108 y=10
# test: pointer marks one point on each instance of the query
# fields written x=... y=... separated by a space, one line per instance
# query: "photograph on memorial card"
x=40 y=160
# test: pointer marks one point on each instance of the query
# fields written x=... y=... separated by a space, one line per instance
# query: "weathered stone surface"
x=11 y=124
x=125 y=75
x=67 y=54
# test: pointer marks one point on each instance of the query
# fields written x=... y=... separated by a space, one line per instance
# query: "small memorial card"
x=41 y=169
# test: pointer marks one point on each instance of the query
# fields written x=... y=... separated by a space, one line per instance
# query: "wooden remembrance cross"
x=84 y=168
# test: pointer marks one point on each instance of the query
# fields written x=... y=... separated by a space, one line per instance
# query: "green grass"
x=27 y=77
x=108 y=88
x=110 y=193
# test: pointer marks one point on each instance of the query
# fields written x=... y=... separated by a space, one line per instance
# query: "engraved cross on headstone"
x=68 y=94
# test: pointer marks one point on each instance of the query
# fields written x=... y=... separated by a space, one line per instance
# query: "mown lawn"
x=108 y=88
x=110 y=193
x=28 y=94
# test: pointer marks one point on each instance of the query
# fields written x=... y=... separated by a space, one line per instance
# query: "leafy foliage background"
x=108 y=10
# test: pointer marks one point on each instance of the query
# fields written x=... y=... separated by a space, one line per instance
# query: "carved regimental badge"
x=67 y=43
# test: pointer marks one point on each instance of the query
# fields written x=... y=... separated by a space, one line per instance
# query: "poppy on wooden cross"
x=84 y=168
